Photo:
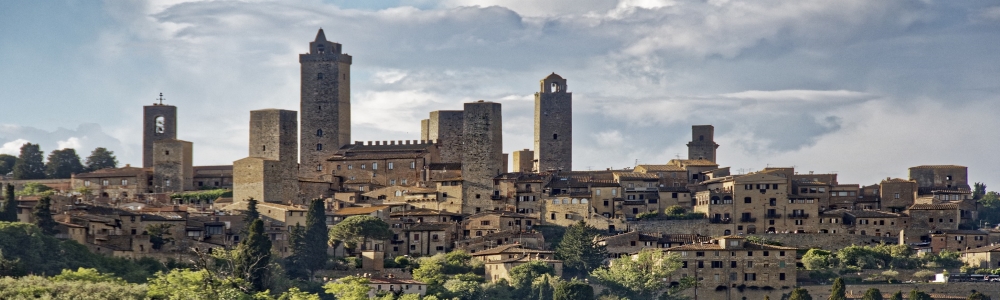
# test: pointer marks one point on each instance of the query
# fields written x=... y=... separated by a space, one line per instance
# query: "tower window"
x=555 y=87
x=319 y=132
x=159 y=122
x=263 y=148
x=320 y=49
x=319 y=147
x=166 y=152
x=319 y=76
x=555 y=136
x=701 y=137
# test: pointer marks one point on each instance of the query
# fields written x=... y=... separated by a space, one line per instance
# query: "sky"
x=865 y=89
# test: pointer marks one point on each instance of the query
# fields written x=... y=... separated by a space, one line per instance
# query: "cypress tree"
x=252 y=213
x=316 y=237
x=43 y=216
x=578 y=250
x=800 y=294
x=9 y=211
x=254 y=255
x=294 y=266
x=838 y=292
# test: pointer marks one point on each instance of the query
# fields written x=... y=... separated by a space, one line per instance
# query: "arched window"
x=576 y=201
x=555 y=87
x=565 y=201
x=160 y=124
x=727 y=232
x=319 y=132
x=584 y=201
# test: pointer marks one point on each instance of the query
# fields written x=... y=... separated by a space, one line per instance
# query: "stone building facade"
x=270 y=172
x=482 y=157
x=445 y=127
x=325 y=103
x=553 y=125
x=731 y=263
x=159 y=122
x=702 y=145
x=119 y=184
x=897 y=194
x=524 y=161
x=382 y=163
x=172 y=165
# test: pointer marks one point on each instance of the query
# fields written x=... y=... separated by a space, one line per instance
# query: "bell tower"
x=325 y=104
x=702 y=145
x=159 y=122
x=553 y=125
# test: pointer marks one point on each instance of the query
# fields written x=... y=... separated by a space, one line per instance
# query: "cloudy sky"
x=862 y=88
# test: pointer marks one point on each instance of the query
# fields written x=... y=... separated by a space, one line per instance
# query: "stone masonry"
x=482 y=157
x=325 y=103
x=523 y=160
x=172 y=166
x=159 y=122
x=269 y=173
x=702 y=145
x=553 y=125
x=445 y=127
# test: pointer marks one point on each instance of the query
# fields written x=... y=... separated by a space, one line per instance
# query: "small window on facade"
x=319 y=147
x=319 y=132
x=319 y=76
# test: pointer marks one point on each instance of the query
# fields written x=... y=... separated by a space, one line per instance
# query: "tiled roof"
x=693 y=162
x=509 y=248
x=353 y=211
x=422 y=212
x=932 y=206
x=501 y=213
x=429 y=227
x=990 y=248
x=657 y=168
x=635 y=176
x=872 y=214
x=963 y=231
x=714 y=246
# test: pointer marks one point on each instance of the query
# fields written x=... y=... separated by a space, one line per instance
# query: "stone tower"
x=482 y=157
x=553 y=125
x=445 y=126
x=172 y=166
x=523 y=160
x=702 y=145
x=270 y=172
x=325 y=103
x=159 y=122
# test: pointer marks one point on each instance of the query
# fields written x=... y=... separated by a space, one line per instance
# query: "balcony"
x=720 y=220
x=798 y=216
x=748 y=220
x=772 y=216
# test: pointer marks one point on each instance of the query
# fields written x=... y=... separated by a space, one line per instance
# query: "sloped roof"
x=353 y=211
x=990 y=248
x=113 y=172
x=657 y=168
x=932 y=206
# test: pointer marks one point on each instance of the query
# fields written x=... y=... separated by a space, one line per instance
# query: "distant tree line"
x=60 y=164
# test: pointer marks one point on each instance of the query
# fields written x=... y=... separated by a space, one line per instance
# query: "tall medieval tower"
x=159 y=122
x=482 y=157
x=553 y=125
x=702 y=145
x=325 y=106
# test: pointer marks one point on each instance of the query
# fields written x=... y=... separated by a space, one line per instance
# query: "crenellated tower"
x=325 y=107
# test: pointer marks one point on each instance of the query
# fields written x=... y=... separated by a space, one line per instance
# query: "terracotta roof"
x=657 y=168
x=897 y=180
x=990 y=248
x=635 y=176
x=429 y=227
x=509 y=248
x=872 y=214
x=714 y=246
x=962 y=231
x=693 y=162
x=353 y=211
x=501 y=213
x=422 y=212
x=932 y=206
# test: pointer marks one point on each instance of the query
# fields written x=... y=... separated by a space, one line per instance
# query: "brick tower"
x=325 y=105
x=553 y=125
x=702 y=145
x=159 y=122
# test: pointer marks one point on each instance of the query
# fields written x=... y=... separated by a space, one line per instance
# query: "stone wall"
x=523 y=160
x=446 y=127
x=157 y=130
x=962 y=289
x=325 y=103
x=553 y=125
x=702 y=145
x=172 y=166
x=482 y=155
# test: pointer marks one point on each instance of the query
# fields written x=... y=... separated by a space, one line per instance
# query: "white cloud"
x=13 y=147
x=72 y=142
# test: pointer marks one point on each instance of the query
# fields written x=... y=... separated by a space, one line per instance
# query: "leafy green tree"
x=101 y=158
x=838 y=292
x=349 y=288
x=358 y=230
x=897 y=296
x=157 y=233
x=295 y=294
x=253 y=256
x=35 y=189
x=86 y=274
x=63 y=164
x=7 y=162
x=573 y=290
x=463 y=289
x=30 y=164
x=872 y=294
x=639 y=277
x=192 y=284
x=816 y=259
x=918 y=295
x=38 y=287
x=313 y=253
x=800 y=294
x=522 y=276
x=978 y=190
x=8 y=212
x=43 y=216
x=978 y=296
x=579 y=250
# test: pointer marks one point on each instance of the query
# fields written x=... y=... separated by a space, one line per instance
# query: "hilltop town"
x=742 y=236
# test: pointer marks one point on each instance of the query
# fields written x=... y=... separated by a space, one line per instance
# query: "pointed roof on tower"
x=320 y=36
